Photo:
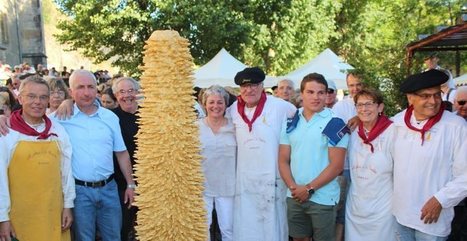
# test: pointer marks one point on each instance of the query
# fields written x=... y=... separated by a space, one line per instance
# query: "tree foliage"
x=276 y=35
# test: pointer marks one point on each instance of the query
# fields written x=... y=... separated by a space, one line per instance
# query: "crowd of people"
x=276 y=167
x=97 y=179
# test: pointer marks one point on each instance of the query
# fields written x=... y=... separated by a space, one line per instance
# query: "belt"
x=94 y=184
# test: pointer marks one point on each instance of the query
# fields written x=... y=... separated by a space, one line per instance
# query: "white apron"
x=260 y=207
x=368 y=208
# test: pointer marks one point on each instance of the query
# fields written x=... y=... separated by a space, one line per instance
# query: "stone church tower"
x=21 y=32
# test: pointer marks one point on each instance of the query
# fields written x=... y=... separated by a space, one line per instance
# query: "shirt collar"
x=76 y=109
x=323 y=114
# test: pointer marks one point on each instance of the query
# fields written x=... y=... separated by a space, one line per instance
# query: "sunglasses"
x=461 y=102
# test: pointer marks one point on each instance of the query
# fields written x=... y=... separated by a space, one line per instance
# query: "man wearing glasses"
x=125 y=90
x=430 y=161
x=331 y=94
x=260 y=208
x=460 y=102
x=459 y=224
x=36 y=183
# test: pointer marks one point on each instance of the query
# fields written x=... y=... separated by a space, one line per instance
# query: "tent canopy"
x=461 y=79
x=326 y=63
x=220 y=70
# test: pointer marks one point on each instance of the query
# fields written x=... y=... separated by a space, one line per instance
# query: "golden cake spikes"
x=168 y=169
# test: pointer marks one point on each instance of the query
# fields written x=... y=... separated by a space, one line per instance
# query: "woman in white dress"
x=368 y=208
x=219 y=151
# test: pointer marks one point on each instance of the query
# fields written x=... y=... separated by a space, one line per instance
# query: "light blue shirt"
x=309 y=154
x=94 y=138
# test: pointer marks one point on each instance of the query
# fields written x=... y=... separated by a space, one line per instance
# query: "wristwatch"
x=310 y=190
x=132 y=186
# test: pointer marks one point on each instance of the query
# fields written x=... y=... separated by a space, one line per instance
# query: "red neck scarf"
x=19 y=124
x=382 y=124
x=259 y=108
x=430 y=123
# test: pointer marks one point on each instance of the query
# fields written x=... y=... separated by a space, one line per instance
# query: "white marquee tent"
x=221 y=70
x=461 y=79
x=326 y=63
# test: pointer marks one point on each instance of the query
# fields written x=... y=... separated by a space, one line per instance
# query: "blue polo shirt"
x=309 y=154
x=93 y=138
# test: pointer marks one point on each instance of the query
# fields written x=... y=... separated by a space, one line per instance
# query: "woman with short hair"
x=219 y=151
x=58 y=93
x=368 y=208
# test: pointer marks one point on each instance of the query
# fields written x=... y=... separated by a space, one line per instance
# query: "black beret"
x=252 y=75
x=424 y=80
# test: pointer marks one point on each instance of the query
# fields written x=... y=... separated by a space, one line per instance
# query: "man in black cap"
x=430 y=161
x=260 y=207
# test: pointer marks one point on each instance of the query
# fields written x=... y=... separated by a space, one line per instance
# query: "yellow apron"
x=36 y=191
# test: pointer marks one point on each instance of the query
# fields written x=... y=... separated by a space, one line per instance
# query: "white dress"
x=260 y=208
x=368 y=208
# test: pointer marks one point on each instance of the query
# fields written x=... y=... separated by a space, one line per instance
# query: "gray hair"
x=215 y=90
x=290 y=82
x=81 y=72
x=135 y=83
x=33 y=79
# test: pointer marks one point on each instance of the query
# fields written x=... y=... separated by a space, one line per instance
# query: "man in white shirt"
x=345 y=109
x=260 y=208
x=460 y=105
x=430 y=161
x=285 y=89
x=36 y=183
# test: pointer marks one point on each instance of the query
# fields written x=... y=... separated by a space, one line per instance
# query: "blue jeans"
x=97 y=206
x=404 y=233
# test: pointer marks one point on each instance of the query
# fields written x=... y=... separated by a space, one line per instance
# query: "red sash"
x=18 y=124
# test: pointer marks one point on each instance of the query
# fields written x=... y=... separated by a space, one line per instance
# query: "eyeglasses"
x=330 y=91
x=59 y=93
x=428 y=96
x=251 y=86
x=32 y=97
x=366 y=105
x=461 y=102
x=130 y=92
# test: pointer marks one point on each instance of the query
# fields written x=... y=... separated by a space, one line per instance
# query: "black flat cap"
x=424 y=80
x=252 y=75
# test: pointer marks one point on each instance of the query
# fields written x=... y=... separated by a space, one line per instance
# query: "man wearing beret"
x=430 y=161
x=260 y=208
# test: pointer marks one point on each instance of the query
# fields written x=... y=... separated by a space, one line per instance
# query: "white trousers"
x=224 y=210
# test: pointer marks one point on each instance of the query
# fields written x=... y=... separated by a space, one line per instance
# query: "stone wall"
x=21 y=32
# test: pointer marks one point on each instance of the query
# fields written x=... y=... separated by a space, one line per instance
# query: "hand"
x=431 y=211
x=300 y=194
x=129 y=197
x=4 y=124
x=6 y=231
x=353 y=123
x=67 y=218
x=64 y=110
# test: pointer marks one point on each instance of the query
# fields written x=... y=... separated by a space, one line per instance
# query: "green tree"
x=276 y=35
x=373 y=35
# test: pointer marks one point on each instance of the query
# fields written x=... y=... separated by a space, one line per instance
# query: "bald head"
x=460 y=104
x=79 y=74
